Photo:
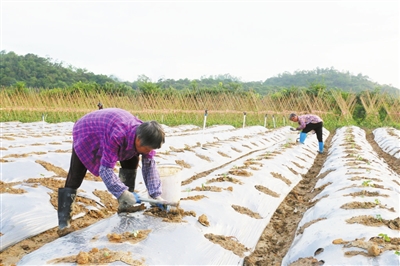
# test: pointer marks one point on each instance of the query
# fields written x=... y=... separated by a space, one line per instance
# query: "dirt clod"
x=203 y=220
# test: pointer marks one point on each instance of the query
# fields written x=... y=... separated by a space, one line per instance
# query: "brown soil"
x=223 y=154
x=373 y=247
x=364 y=205
x=271 y=247
x=182 y=163
x=374 y=221
x=267 y=191
x=49 y=167
x=244 y=210
x=102 y=256
x=99 y=257
x=175 y=215
x=131 y=237
x=225 y=178
x=365 y=193
x=281 y=177
x=8 y=188
x=235 y=149
x=229 y=243
x=204 y=220
x=240 y=172
x=203 y=157
x=205 y=173
x=14 y=253
x=208 y=188
x=195 y=198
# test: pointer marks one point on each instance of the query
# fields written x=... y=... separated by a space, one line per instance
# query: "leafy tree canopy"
x=39 y=72
x=36 y=72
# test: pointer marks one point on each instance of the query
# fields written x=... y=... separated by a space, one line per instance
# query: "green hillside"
x=37 y=72
x=331 y=78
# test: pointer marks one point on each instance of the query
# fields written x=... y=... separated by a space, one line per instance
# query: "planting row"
x=355 y=219
x=232 y=182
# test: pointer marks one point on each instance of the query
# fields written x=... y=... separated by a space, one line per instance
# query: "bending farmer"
x=100 y=139
x=306 y=124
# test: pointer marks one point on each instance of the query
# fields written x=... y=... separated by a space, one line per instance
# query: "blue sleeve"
x=112 y=181
x=151 y=177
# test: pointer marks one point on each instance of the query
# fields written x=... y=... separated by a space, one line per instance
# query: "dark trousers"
x=77 y=170
x=317 y=128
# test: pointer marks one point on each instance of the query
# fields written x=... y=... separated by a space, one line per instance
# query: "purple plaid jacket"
x=307 y=119
x=103 y=137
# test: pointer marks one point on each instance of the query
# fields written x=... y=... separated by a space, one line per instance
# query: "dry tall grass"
x=188 y=108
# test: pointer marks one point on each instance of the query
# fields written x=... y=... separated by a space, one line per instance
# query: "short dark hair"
x=292 y=115
x=150 y=134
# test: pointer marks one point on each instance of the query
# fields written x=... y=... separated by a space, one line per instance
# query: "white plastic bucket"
x=170 y=176
x=291 y=136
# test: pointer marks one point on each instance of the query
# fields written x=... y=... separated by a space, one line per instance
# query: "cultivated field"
x=247 y=197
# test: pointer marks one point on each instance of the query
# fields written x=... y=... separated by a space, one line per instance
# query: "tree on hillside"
x=39 y=72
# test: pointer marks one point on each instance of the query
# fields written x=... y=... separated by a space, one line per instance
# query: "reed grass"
x=185 y=108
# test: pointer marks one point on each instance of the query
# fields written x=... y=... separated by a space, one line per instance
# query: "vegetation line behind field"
x=336 y=108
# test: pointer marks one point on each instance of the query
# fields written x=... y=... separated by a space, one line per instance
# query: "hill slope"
x=38 y=72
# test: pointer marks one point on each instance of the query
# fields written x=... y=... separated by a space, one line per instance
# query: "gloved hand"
x=137 y=198
x=128 y=199
x=293 y=129
x=163 y=207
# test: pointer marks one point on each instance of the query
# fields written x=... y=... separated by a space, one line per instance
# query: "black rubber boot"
x=66 y=197
x=128 y=177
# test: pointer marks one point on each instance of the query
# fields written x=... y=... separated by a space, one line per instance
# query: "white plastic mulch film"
x=389 y=140
x=213 y=152
x=332 y=227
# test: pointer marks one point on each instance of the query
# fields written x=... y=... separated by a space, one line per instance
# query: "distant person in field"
x=100 y=105
x=100 y=139
x=306 y=124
